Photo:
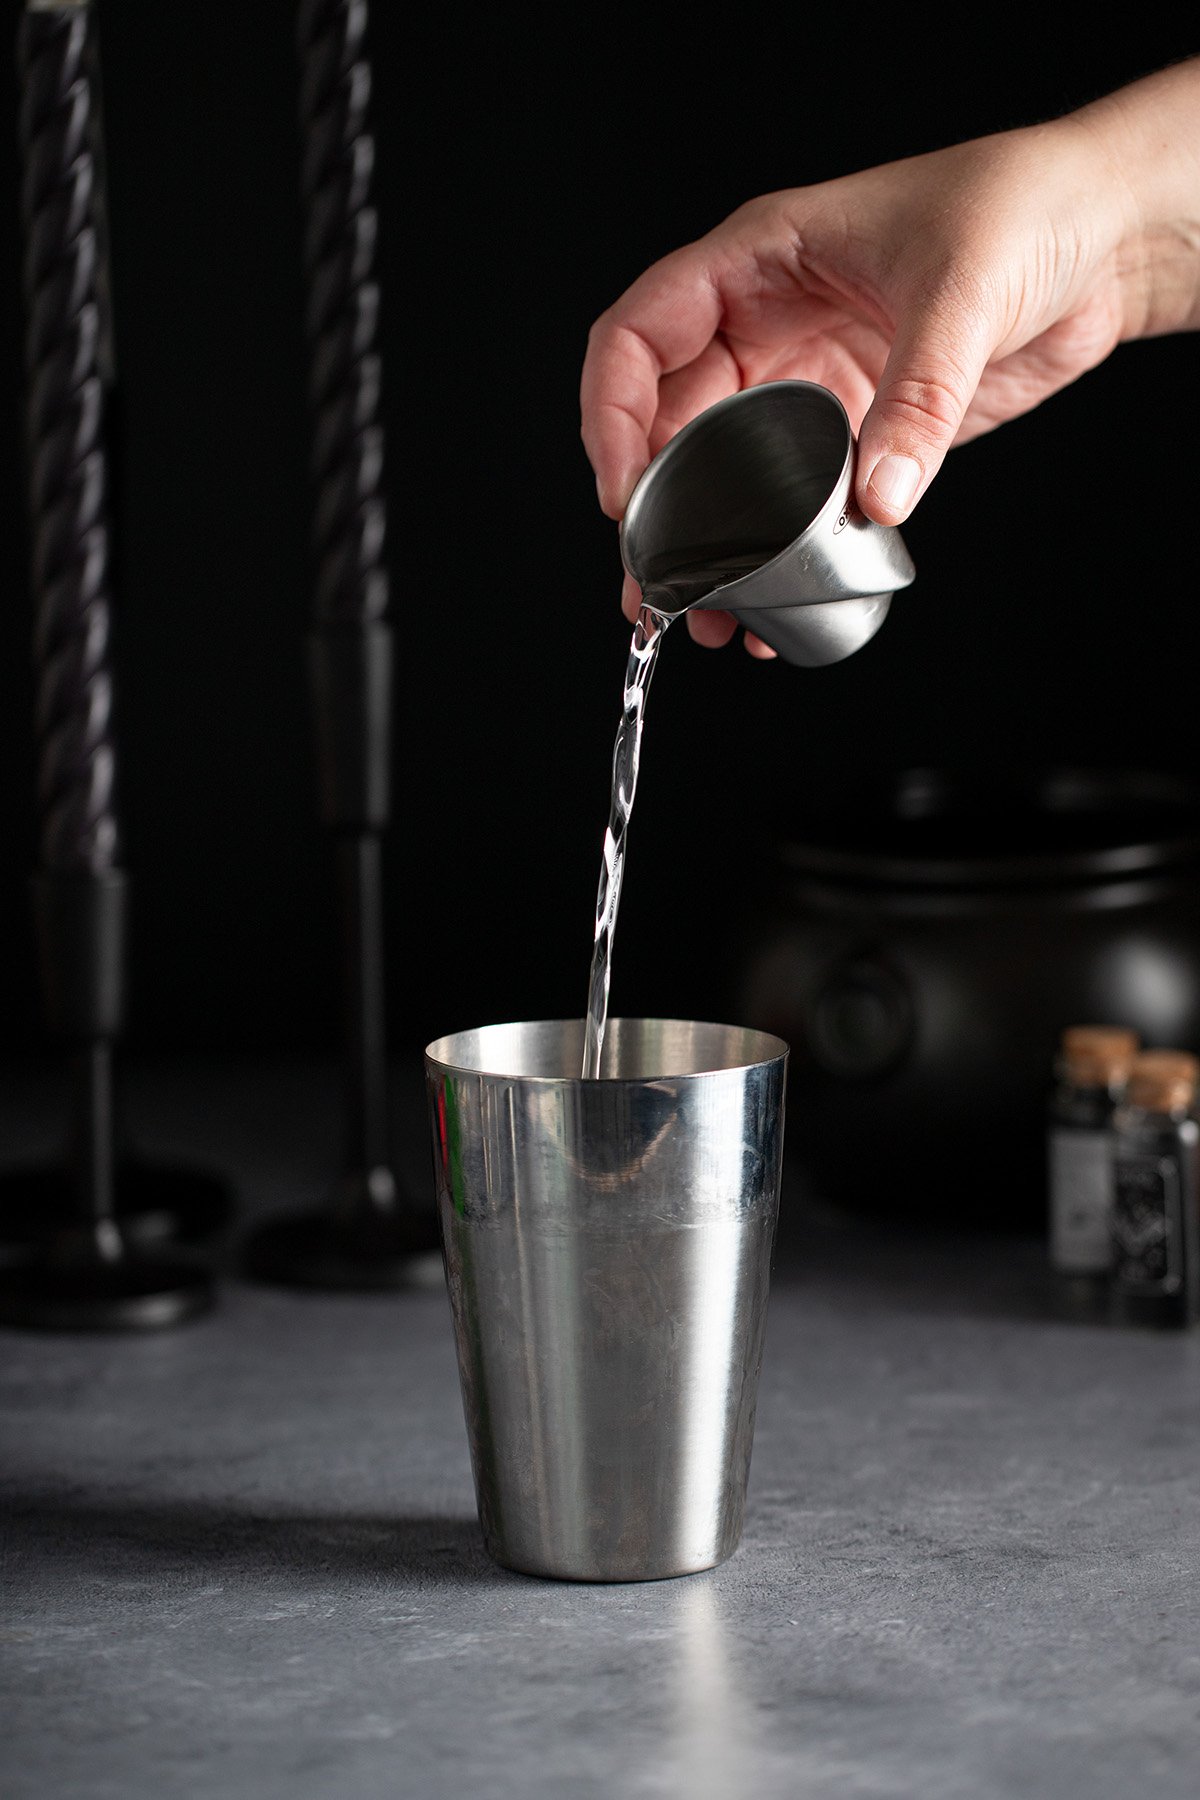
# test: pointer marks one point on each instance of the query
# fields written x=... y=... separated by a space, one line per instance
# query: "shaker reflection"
x=713 y=1732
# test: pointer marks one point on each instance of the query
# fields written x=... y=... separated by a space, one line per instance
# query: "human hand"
x=937 y=296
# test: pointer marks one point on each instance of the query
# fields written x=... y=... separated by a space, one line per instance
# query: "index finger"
x=658 y=325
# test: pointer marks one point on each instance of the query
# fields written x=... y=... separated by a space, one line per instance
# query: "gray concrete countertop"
x=240 y=1558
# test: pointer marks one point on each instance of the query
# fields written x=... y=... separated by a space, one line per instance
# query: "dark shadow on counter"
x=126 y=1539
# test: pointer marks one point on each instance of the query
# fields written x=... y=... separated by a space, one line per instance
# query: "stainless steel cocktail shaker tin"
x=608 y=1246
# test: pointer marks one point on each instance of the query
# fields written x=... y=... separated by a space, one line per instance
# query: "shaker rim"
x=438 y=1055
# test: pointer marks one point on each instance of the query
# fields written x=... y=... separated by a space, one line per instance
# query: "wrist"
x=1146 y=138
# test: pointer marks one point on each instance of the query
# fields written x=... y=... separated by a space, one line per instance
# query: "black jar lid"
x=964 y=829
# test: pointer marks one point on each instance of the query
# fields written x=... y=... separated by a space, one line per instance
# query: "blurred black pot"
x=923 y=951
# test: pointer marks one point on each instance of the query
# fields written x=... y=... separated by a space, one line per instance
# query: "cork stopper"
x=1098 y=1055
x=1164 y=1080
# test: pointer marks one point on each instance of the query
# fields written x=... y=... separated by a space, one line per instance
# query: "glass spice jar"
x=1091 y=1070
x=1156 y=1193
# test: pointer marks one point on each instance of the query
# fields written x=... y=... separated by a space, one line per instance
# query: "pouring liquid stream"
x=662 y=602
x=648 y=635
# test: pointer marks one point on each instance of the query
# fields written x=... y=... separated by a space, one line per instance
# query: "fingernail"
x=896 y=480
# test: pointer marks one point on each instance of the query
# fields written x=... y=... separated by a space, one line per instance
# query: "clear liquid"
x=643 y=655
x=685 y=582
x=663 y=600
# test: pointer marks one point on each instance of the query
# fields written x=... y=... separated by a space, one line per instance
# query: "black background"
x=531 y=164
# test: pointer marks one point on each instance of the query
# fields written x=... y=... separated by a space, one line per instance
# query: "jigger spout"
x=750 y=508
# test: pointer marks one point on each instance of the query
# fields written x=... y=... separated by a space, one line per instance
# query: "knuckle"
x=929 y=405
x=600 y=329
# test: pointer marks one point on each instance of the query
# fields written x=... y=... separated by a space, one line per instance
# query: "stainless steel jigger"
x=608 y=1246
x=750 y=508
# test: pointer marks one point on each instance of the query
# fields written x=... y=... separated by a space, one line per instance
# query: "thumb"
x=928 y=382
